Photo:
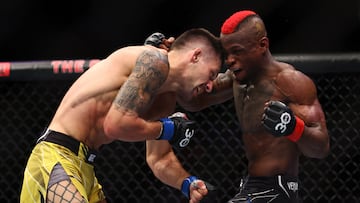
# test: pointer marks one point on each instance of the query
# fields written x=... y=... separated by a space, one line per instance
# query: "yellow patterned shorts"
x=46 y=154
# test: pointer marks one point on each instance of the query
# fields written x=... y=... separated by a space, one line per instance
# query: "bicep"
x=296 y=87
x=303 y=99
x=312 y=114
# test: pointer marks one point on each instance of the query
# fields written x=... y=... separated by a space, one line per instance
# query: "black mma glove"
x=178 y=129
x=155 y=39
x=279 y=120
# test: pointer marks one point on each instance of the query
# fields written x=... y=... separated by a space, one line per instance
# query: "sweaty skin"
x=123 y=97
x=87 y=107
x=269 y=155
x=255 y=78
x=97 y=113
x=258 y=78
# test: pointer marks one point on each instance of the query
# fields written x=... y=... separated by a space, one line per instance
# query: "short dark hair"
x=199 y=33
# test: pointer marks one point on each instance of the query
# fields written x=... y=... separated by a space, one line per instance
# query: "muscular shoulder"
x=296 y=86
x=153 y=58
x=137 y=59
x=149 y=70
x=132 y=54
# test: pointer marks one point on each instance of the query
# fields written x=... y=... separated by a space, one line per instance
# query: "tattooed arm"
x=124 y=120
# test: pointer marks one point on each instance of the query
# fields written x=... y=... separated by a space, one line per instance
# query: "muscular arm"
x=164 y=163
x=222 y=91
x=124 y=121
x=314 y=141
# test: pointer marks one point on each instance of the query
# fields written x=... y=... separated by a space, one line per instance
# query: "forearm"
x=165 y=165
x=127 y=127
x=167 y=168
x=314 y=142
x=222 y=91
x=170 y=173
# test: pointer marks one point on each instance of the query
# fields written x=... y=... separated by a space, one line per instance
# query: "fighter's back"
x=82 y=111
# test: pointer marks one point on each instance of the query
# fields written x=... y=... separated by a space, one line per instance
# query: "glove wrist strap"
x=298 y=131
x=167 y=131
x=185 y=186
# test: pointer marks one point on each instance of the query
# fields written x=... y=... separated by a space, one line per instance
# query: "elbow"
x=317 y=143
x=319 y=152
x=111 y=130
x=115 y=129
x=151 y=162
x=325 y=151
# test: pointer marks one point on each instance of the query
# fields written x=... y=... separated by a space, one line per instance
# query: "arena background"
x=320 y=37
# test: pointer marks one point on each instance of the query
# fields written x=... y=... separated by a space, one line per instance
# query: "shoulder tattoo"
x=150 y=72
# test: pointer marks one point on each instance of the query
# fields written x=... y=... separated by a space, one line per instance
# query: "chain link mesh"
x=215 y=153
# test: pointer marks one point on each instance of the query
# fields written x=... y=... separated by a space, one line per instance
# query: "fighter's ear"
x=196 y=55
x=264 y=42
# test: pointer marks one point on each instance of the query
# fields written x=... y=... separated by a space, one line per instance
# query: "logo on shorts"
x=91 y=158
x=293 y=186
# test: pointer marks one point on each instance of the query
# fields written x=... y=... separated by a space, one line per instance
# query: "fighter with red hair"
x=277 y=107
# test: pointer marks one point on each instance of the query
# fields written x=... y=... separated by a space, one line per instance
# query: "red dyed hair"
x=231 y=23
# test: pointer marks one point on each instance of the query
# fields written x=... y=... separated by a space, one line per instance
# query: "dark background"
x=43 y=30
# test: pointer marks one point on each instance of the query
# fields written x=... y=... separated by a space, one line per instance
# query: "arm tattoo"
x=147 y=77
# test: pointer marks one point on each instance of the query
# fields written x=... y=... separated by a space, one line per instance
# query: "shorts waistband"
x=69 y=142
x=271 y=178
x=289 y=182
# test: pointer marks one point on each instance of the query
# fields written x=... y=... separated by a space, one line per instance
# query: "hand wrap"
x=192 y=181
x=185 y=186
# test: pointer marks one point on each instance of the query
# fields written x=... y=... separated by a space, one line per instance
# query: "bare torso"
x=267 y=155
x=83 y=109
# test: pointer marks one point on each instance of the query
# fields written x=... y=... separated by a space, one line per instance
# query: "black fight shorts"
x=277 y=189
